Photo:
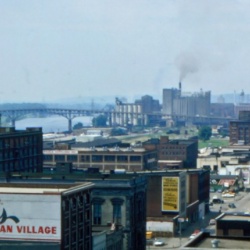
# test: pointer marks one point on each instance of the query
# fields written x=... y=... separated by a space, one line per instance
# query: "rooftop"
x=204 y=241
x=39 y=188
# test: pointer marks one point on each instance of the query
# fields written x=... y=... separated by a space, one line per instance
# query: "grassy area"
x=214 y=142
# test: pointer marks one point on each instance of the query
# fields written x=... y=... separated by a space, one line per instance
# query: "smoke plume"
x=187 y=64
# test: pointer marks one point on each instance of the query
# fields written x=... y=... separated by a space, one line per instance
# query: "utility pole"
x=180 y=220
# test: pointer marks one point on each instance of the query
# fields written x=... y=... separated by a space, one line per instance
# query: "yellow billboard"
x=170 y=194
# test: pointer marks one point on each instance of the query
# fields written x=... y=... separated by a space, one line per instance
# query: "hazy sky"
x=55 y=49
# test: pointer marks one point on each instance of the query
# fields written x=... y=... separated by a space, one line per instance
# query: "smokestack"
x=180 y=86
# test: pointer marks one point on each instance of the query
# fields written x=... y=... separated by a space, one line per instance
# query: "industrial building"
x=177 y=103
x=145 y=111
x=21 y=150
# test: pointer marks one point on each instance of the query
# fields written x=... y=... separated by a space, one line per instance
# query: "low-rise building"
x=105 y=159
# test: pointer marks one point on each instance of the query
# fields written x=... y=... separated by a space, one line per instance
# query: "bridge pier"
x=13 y=122
x=70 y=124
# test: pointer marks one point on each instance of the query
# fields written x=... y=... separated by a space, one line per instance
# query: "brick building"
x=46 y=216
x=175 y=194
x=177 y=153
x=21 y=150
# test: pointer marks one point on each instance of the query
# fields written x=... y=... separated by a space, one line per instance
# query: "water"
x=52 y=124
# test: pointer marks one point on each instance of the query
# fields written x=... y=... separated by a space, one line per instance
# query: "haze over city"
x=55 y=50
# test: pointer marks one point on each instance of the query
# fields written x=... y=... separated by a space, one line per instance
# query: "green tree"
x=205 y=133
x=99 y=121
x=78 y=125
x=118 y=131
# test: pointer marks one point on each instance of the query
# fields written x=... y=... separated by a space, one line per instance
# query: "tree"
x=118 y=131
x=78 y=125
x=99 y=121
x=205 y=133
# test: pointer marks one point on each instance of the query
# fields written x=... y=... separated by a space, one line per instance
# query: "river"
x=53 y=124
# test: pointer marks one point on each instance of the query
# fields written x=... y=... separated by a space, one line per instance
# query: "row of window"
x=18 y=142
x=172 y=153
x=94 y=158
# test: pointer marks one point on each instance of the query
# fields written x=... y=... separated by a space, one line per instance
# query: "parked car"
x=231 y=205
x=158 y=242
x=217 y=201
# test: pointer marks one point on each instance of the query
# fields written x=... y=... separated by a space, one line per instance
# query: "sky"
x=53 y=50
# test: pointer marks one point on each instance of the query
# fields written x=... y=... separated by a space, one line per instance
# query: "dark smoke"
x=187 y=64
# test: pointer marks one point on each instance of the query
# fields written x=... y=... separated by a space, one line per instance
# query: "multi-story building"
x=46 y=216
x=105 y=159
x=177 y=153
x=21 y=150
x=185 y=104
x=118 y=203
x=148 y=104
x=174 y=197
x=120 y=200
x=240 y=129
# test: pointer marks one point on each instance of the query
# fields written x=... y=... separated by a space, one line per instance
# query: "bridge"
x=17 y=114
x=114 y=117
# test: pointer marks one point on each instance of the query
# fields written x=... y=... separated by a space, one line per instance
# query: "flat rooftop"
x=230 y=217
x=26 y=188
x=224 y=243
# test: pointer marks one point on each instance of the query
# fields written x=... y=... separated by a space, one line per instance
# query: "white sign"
x=30 y=216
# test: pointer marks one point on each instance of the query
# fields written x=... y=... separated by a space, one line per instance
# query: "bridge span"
x=114 y=117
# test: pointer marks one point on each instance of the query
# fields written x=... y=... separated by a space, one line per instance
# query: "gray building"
x=186 y=104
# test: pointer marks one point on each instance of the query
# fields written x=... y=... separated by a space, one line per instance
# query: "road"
x=242 y=203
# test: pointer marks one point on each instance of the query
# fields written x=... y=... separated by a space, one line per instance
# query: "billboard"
x=170 y=194
x=30 y=216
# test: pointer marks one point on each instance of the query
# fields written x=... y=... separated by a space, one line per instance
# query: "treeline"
x=6 y=106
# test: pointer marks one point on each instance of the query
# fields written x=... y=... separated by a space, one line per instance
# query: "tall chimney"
x=180 y=86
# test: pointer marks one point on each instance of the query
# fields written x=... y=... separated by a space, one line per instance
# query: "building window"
x=135 y=158
x=122 y=158
x=117 y=210
x=59 y=157
x=71 y=158
x=117 y=213
x=97 y=214
x=47 y=157
x=85 y=158
x=97 y=210
x=97 y=158
x=110 y=158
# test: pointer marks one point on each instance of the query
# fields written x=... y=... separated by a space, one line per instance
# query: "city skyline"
x=57 y=50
